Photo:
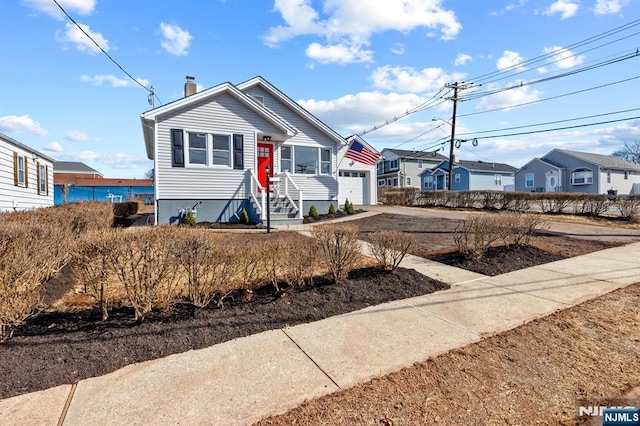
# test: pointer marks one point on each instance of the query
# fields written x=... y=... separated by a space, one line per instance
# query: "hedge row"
x=626 y=207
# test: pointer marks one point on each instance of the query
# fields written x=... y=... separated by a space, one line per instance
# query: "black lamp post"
x=268 y=170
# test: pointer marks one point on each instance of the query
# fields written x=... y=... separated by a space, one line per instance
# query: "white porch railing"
x=258 y=195
x=290 y=188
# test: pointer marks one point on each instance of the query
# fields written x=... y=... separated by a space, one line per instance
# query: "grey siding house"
x=216 y=152
x=572 y=171
x=402 y=168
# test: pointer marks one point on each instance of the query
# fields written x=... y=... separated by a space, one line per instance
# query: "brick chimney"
x=189 y=86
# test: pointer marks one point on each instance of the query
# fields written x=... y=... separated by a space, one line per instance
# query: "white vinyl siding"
x=314 y=187
x=21 y=197
x=208 y=182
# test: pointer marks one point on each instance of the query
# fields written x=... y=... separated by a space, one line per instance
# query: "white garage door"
x=353 y=185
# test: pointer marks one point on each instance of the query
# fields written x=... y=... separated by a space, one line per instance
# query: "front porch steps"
x=282 y=212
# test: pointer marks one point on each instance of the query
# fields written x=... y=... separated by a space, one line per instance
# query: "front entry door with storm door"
x=265 y=158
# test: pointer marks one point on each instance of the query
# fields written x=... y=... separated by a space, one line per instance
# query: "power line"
x=560 y=128
x=550 y=98
x=150 y=90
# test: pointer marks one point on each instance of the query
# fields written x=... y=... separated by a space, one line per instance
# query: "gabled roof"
x=73 y=167
x=149 y=117
x=604 y=161
x=538 y=160
x=415 y=155
x=25 y=147
x=474 y=166
x=272 y=90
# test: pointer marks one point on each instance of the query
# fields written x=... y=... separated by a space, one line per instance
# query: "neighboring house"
x=357 y=172
x=115 y=190
x=212 y=150
x=26 y=177
x=468 y=176
x=402 y=168
x=73 y=169
x=572 y=171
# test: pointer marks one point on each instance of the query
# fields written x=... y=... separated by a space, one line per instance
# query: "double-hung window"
x=42 y=179
x=428 y=182
x=20 y=170
x=198 y=148
x=285 y=158
x=220 y=150
x=528 y=180
x=325 y=161
x=497 y=179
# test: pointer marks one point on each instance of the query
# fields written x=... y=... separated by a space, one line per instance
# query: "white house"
x=357 y=172
x=212 y=150
x=26 y=176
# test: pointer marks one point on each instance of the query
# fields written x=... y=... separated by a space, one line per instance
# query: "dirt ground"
x=533 y=374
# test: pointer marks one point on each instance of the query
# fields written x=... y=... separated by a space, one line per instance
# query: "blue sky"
x=355 y=65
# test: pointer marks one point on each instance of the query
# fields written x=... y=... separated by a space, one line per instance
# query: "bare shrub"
x=390 y=247
x=491 y=200
x=23 y=268
x=91 y=260
x=517 y=228
x=146 y=264
x=591 y=204
x=208 y=264
x=474 y=236
x=302 y=256
x=274 y=258
x=250 y=269
x=340 y=248
x=628 y=206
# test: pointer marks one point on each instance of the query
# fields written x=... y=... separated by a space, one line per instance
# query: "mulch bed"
x=500 y=260
x=55 y=348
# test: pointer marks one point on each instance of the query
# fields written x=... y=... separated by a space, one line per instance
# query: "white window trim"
x=586 y=174
x=497 y=179
x=408 y=179
x=526 y=180
x=420 y=164
x=42 y=185
x=319 y=159
x=456 y=177
x=209 y=149
x=428 y=182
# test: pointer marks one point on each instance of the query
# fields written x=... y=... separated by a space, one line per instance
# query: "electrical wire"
x=150 y=90
x=550 y=98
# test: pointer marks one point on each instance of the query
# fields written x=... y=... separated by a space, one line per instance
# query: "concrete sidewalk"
x=243 y=380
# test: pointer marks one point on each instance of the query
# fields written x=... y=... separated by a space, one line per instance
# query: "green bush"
x=189 y=218
x=244 y=217
x=348 y=207
x=313 y=212
x=332 y=209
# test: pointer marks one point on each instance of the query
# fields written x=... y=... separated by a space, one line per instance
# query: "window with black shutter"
x=177 y=148
x=238 y=152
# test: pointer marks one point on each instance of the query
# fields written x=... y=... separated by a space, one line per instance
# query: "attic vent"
x=259 y=99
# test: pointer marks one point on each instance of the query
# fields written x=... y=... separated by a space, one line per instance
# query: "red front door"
x=265 y=158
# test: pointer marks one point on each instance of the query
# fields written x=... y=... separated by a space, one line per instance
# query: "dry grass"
x=529 y=375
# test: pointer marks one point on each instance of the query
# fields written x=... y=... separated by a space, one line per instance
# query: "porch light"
x=266 y=138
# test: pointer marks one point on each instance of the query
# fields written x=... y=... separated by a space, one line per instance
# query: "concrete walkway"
x=244 y=380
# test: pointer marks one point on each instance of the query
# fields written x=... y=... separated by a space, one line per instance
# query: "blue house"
x=468 y=176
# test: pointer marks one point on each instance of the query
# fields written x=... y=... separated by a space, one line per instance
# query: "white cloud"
x=53 y=147
x=75 y=36
x=510 y=60
x=462 y=59
x=410 y=80
x=566 y=8
x=508 y=98
x=563 y=58
x=78 y=136
x=116 y=82
x=175 y=40
x=338 y=54
x=352 y=23
x=606 y=7
x=115 y=160
x=356 y=112
x=512 y=6
x=398 y=49
x=78 y=7
x=21 y=124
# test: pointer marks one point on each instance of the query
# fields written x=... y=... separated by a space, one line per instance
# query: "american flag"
x=361 y=153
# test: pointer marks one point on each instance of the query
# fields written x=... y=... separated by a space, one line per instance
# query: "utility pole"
x=455 y=86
